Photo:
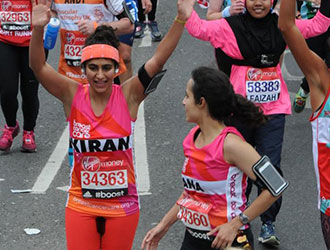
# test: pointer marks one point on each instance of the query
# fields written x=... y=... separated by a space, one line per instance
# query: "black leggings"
x=14 y=69
x=321 y=46
x=151 y=14
x=325 y=223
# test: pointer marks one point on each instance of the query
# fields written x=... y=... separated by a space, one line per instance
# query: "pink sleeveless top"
x=103 y=175
x=214 y=191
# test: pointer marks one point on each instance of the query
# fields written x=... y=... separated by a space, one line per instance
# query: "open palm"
x=40 y=13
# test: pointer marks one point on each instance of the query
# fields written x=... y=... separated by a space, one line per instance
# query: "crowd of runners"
x=238 y=110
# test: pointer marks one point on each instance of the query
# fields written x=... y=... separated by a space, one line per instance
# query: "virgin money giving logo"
x=6 y=5
x=70 y=38
x=91 y=163
x=254 y=74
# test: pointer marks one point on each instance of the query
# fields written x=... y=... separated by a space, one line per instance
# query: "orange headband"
x=103 y=51
x=99 y=51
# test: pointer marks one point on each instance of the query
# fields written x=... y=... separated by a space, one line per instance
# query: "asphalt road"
x=298 y=224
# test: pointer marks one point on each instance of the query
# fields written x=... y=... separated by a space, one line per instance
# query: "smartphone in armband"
x=269 y=176
x=154 y=82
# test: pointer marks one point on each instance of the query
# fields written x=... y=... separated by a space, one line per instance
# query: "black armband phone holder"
x=149 y=84
x=269 y=177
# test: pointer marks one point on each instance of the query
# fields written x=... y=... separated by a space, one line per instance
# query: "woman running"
x=253 y=44
x=217 y=163
x=102 y=209
x=318 y=78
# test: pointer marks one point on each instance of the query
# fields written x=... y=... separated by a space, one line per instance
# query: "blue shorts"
x=128 y=38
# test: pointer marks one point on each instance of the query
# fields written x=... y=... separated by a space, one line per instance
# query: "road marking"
x=146 y=41
x=53 y=164
x=59 y=154
x=140 y=152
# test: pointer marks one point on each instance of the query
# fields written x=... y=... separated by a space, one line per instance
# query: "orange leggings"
x=82 y=231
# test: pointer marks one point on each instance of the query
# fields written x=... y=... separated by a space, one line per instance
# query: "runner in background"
x=317 y=44
x=252 y=44
x=15 y=74
x=126 y=41
x=156 y=35
x=80 y=19
x=318 y=79
x=102 y=209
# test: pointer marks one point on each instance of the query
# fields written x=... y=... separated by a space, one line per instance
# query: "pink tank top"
x=214 y=191
x=103 y=175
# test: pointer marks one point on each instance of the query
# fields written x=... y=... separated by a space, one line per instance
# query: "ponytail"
x=223 y=103
x=247 y=112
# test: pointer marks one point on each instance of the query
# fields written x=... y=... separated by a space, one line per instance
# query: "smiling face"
x=100 y=73
x=258 y=8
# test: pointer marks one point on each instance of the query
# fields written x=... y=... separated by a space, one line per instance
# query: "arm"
x=241 y=154
x=313 y=67
x=133 y=88
x=213 y=12
x=212 y=31
x=122 y=26
x=318 y=24
x=154 y=235
x=59 y=86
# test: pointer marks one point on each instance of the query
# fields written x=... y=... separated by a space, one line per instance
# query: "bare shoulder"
x=237 y=151
x=233 y=144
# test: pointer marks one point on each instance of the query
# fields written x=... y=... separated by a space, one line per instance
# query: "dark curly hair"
x=103 y=35
x=223 y=103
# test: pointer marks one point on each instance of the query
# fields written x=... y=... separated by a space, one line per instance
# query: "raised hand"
x=185 y=8
x=237 y=7
x=40 y=13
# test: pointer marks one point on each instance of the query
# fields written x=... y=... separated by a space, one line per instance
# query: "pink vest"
x=103 y=175
x=214 y=191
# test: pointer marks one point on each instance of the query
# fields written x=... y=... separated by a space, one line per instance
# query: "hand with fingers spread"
x=87 y=27
x=40 y=13
x=185 y=8
x=152 y=238
x=147 y=6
